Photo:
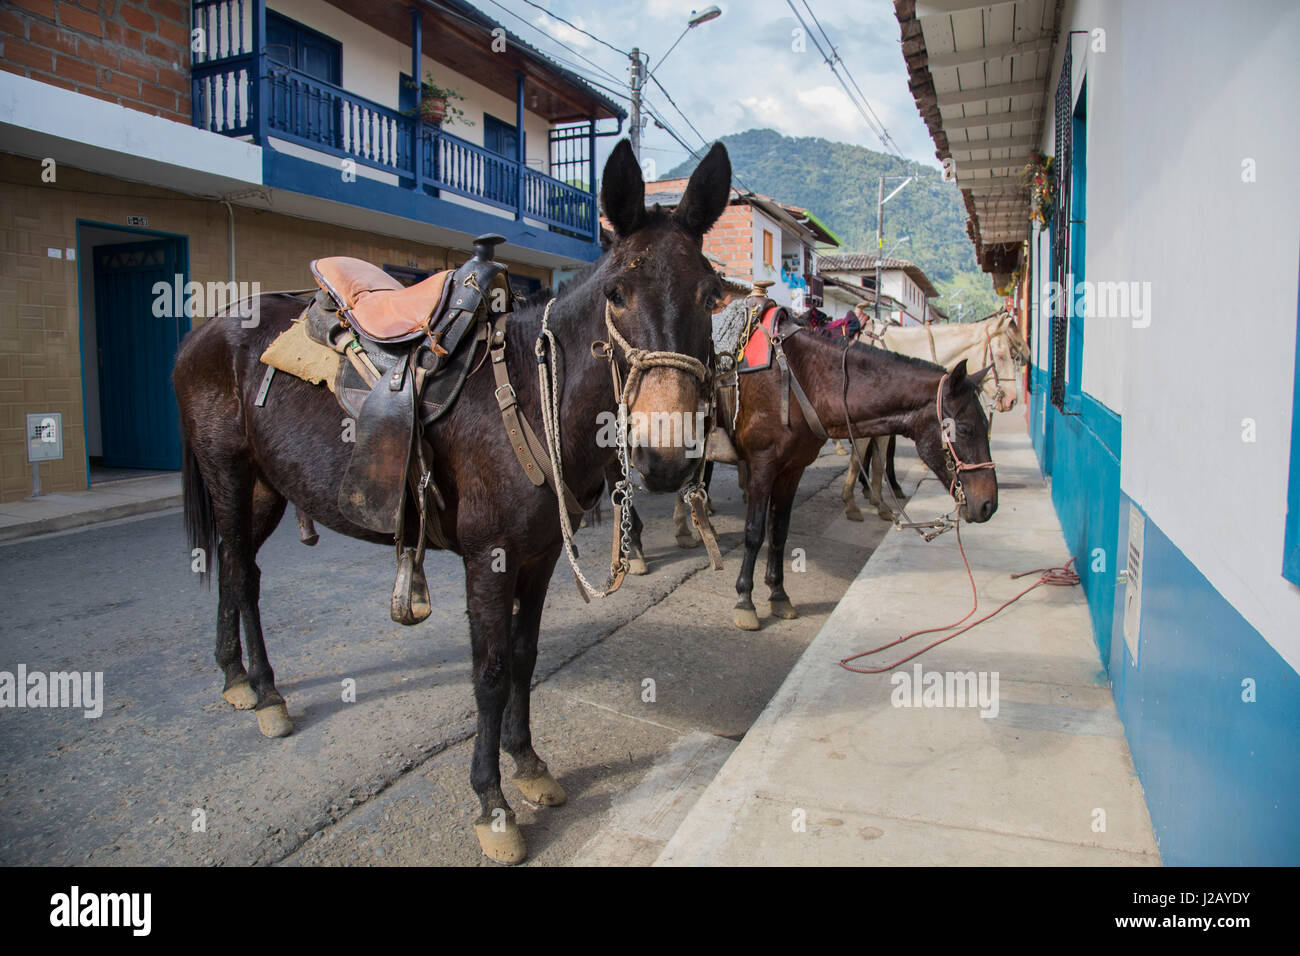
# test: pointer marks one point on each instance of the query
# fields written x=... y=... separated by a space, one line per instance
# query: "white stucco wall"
x=1184 y=94
x=373 y=64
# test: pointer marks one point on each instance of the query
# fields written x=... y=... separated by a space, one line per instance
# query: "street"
x=170 y=774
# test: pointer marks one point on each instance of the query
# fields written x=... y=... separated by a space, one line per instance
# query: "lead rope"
x=1063 y=576
x=549 y=388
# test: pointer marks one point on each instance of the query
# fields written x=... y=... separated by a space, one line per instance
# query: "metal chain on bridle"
x=638 y=360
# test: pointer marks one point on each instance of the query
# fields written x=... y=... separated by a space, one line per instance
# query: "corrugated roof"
x=978 y=74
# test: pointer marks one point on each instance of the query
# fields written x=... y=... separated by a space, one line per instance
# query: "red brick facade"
x=731 y=240
x=132 y=52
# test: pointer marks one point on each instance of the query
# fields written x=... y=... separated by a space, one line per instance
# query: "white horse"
x=995 y=341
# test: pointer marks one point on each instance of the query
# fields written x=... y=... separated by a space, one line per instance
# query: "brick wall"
x=731 y=241
x=131 y=52
x=40 y=326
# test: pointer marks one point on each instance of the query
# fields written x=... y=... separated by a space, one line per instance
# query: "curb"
x=80 y=519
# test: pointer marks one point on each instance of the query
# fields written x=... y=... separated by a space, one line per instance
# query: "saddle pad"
x=758 y=350
x=293 y=351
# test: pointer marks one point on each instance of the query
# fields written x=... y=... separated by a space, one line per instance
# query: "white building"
x=904 y=284
x=1167 y=422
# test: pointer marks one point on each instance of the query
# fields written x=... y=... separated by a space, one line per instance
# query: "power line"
x=561 y=43
x=867 y=113
x=593 y=36
x=840 y=60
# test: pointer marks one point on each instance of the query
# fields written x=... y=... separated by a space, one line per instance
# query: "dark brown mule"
x=888 y=394
x=243 y=463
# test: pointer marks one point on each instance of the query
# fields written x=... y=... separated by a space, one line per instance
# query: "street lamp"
x=640 y=77
x=897 y=243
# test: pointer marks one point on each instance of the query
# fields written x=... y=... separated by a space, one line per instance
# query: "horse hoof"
x=274 y=721
x=784 y=610
x=542 y=789
x=745 y=618
x=839 y=450
x=240 y=696
x=505 y=845
x=885 y=516
x=853 y=515
x=636 y=565
x=686 y=541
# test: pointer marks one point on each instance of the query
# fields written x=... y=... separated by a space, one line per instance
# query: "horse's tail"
x=200 y=515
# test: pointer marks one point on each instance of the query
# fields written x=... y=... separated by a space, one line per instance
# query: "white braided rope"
x=549 y=387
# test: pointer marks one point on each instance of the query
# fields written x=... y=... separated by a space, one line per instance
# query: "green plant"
x=433 y=96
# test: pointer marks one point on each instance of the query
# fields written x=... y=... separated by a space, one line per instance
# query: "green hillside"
x=838 y=183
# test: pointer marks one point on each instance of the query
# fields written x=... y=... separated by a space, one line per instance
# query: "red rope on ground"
x=1063 y=576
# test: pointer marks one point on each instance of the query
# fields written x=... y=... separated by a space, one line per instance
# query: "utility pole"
x=634 y=128
x=880 y=232
x=880 y=241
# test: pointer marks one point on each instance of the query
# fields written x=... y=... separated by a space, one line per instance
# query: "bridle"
x=639 y=361
x=954 y=463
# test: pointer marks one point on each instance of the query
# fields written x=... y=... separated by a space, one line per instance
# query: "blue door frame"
x=135 y=349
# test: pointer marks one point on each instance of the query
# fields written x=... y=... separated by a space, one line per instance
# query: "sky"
x=740 y=71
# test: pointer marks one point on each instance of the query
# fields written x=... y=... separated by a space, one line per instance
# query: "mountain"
x=839 y=183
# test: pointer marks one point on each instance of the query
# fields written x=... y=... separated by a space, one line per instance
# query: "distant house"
x=760 y=238
x=905 y=290
x=225 y=142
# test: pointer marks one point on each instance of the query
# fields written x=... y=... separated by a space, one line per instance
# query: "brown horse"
x=243 y=463
x=884 y=394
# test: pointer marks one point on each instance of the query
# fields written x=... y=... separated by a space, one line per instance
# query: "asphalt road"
x=384 y=779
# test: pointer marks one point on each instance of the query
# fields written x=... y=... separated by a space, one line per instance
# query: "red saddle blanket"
x=758 y=350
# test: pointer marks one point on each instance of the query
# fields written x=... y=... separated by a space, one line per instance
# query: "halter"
x=955 y=465
x=638 y=360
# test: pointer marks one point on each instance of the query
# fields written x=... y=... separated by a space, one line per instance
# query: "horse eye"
x=615 y=296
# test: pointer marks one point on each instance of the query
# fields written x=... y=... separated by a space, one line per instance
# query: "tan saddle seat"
x=378 y=306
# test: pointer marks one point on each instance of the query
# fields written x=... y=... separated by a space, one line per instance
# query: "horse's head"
x=1005 y=348
x=661 y=293
x=952 y=435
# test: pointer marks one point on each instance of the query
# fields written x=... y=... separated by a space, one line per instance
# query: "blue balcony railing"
x=237 y=92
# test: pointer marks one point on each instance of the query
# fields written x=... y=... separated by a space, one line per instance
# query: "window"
x=500 y=137
x=1060 y=229
x=290 y=43
x=767 y=248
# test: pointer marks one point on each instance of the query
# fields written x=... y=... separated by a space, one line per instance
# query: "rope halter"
x=640 y=360
x=955 y=465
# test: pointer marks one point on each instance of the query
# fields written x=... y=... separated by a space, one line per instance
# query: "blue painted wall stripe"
x=1221 y=775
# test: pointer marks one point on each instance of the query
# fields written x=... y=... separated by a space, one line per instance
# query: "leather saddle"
x=408 y=351
x=755 y=347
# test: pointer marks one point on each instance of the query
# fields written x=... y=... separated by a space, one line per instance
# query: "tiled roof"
x=865 y=262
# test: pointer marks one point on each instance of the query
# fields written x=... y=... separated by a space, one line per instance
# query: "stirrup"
x=411 y=603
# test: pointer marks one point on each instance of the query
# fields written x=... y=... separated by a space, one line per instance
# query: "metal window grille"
x=1061 y=230
x=570 y=159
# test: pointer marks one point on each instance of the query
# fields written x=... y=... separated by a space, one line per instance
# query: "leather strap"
x=531 y=453
x=790 y=384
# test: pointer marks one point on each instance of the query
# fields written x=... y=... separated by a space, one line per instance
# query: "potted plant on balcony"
x=436 y=103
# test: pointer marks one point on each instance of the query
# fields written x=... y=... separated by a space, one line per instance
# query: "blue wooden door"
x=136 y=350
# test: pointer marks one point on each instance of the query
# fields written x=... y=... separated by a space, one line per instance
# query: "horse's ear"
x=977 y=377
x=707 y=194
x=622 y=191
x=956 y=377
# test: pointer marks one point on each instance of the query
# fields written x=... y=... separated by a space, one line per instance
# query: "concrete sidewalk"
x=833 y=772
x=108 y=501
